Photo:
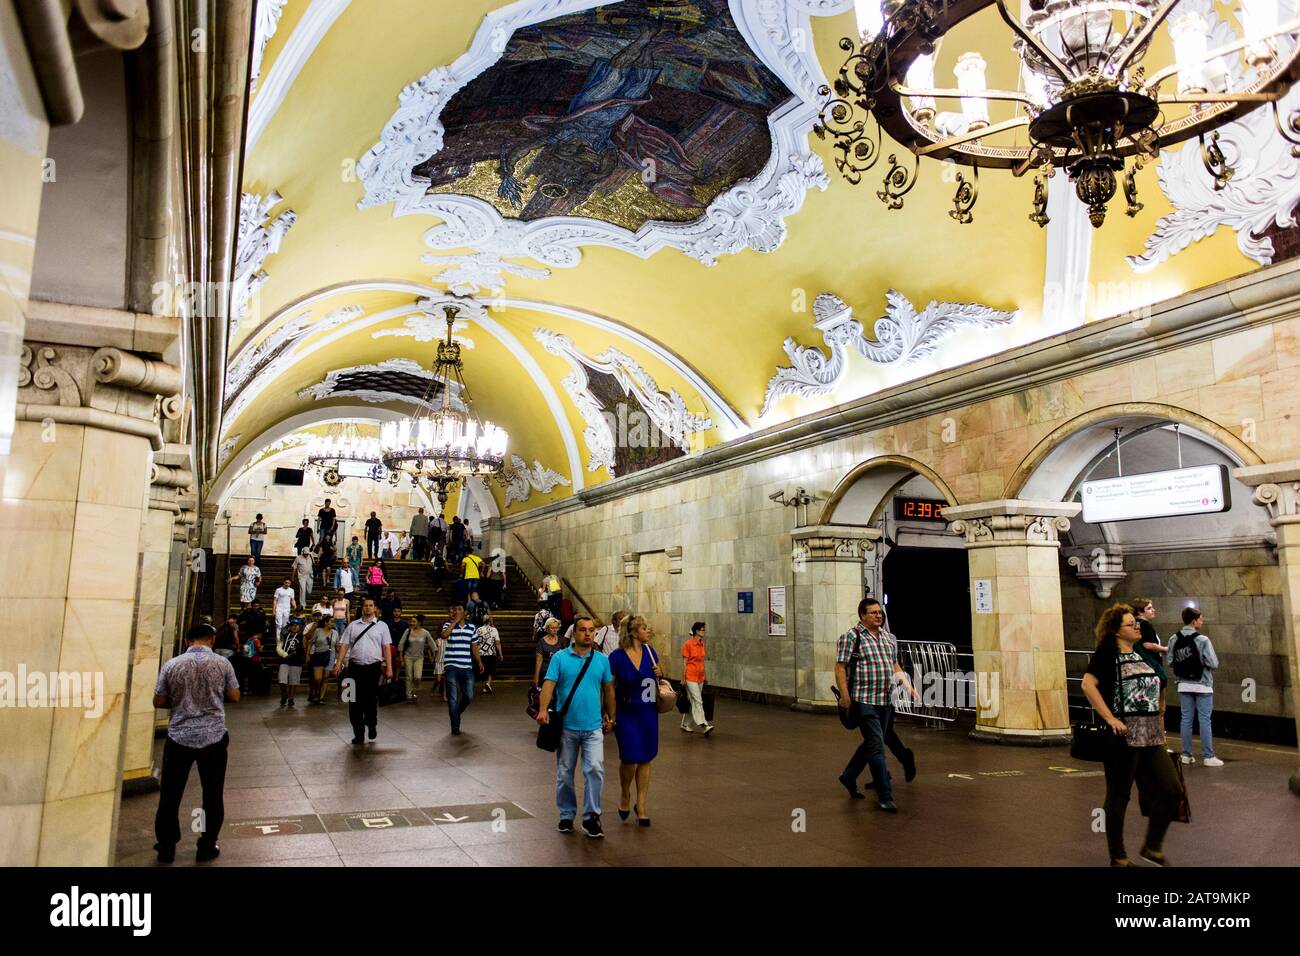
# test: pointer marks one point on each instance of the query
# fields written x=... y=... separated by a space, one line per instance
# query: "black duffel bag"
x=391 y=692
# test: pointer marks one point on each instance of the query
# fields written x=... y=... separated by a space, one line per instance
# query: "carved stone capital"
x=1101 y=567
x=995 y=524
x=107 y=388
x=1277 y=488
x=828 y=542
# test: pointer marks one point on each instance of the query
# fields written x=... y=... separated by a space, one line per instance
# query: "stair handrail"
x=568 y=587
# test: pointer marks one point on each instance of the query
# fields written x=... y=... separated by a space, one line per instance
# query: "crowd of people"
x=590 y=680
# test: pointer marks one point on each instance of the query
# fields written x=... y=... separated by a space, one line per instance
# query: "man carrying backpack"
x=1192 y=659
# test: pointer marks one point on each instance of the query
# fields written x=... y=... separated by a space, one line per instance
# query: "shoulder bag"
x=1097 y=742
x=548 y=734
x=850 y=719
x=665 y=696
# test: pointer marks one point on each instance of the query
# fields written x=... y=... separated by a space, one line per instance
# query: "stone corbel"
x=996 y=524
x=828 y=542
x=1101 y=567
x=674 y=559
x=631 y=564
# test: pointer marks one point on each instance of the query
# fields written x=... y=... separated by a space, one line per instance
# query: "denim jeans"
x=592 y=745
x=874 y=723
x=1202 y=705
x=460 y=692
x=256 y=548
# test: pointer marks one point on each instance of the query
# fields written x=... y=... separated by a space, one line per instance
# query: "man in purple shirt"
x=195 y=686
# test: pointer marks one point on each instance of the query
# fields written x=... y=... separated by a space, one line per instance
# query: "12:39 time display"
x=918 y=509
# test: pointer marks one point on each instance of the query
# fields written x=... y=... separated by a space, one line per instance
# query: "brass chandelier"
x=441 y=448
x=1085 y=103
x=345 y=453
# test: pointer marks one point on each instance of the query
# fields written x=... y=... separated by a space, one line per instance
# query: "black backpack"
x=1187 y=657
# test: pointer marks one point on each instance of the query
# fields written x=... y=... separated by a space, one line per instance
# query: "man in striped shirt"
x=460 y=663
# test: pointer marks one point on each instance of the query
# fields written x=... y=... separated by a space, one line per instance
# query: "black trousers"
x=372 y=547
x=177 y=760
x=1157 y=779
x=363 y=711
x=418 y=546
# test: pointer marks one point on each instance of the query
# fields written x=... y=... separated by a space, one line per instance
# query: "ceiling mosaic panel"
x=644 y=110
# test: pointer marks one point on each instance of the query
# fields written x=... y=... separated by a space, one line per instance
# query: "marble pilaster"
x=826 y=562
x=1277 y=488
x=1016 y=625
x=75 y=496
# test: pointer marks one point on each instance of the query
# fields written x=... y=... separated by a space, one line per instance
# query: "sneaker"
x=1187 y=758
x=166 y=854
x=1152 y=857
x=708 y=730
x=211 y=853
x=852 y=788
x=909 y=766
x=374 y=732
x=566 y=826
x=1212 y=762
x=591 y=826
x=357 y=741
x=888 y=806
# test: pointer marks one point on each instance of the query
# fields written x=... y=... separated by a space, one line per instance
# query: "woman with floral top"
x=1124 y=690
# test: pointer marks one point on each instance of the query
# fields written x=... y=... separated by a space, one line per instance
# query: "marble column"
x=1016 y=625
x=169 y=474
x=75 y=497
x=1277 y=488
x=827 y=566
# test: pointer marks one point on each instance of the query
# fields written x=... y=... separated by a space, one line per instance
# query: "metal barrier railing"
x=931 y=658
x=961 y=683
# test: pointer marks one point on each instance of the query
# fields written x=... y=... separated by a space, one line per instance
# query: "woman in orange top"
x=693 y=657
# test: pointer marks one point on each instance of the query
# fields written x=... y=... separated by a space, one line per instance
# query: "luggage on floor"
x=259 y=679
x=707 y=697
x=392 y=692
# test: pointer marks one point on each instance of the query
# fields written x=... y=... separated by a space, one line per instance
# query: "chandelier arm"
x=950 y=93
x=1051 y=58
x=966 y=137
x=1285 y=30
x=1263 y=97
x=1145 y=34
x=1289 y=131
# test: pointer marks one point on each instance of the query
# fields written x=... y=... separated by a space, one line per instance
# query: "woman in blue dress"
x=636 y=670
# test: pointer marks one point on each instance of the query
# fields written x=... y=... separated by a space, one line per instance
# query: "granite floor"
x=760 y=791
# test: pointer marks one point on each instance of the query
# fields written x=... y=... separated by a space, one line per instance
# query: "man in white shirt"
x=607 y=637
x=367 y=648
x=282 y=604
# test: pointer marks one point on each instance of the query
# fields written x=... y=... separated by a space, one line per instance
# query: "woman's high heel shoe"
x=623 y=814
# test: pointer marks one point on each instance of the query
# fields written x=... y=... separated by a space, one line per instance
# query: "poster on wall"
x=776 y=612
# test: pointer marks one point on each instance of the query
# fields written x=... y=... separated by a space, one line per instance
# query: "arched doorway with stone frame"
x=1222 y=563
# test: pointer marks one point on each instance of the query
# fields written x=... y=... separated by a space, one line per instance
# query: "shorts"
x=319 y=659
x=290 y=674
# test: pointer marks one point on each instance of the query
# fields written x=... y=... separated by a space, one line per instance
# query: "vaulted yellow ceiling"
x=722 y=325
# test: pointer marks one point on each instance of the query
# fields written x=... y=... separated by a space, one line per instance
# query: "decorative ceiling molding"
x=255 y=359
x=667 y=412
x=390 y=372
x=426 y=327
x=522 y=481
x=720 y=405
x=227 y=447
x=259 y=237
x=1265 y=186
x=311 y=29
x=470 y=275
x=749 y=215
x=264 y=27
x=902 y=336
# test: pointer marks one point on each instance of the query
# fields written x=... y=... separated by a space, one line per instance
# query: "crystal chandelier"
x=345 y=453
x=1086 y=101
x=442 y=447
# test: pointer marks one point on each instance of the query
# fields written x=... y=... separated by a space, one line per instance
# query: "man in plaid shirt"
x=866 y=666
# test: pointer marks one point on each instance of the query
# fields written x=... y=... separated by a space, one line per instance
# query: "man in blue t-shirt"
x=584 y=725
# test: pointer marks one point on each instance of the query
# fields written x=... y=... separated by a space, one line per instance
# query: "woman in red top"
x=693 y=658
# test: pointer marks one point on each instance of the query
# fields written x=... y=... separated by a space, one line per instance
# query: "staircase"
x=424 y=593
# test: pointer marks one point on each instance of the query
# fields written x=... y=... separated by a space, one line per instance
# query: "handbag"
x=1097 y=743
x=548 y=734
x=665 y=696
x=850 y=718
x=1183 y=814
x=391 y=692
x=683 y=701
x=534 y=705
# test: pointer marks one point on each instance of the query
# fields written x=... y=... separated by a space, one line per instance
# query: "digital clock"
x=918 y=509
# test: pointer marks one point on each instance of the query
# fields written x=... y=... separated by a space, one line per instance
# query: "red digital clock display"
x=918 y=509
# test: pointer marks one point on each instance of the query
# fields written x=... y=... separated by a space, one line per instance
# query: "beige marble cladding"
x=1239 y=388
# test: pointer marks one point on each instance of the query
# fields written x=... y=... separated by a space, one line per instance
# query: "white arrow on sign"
x=964 y=776
x=448 y=818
